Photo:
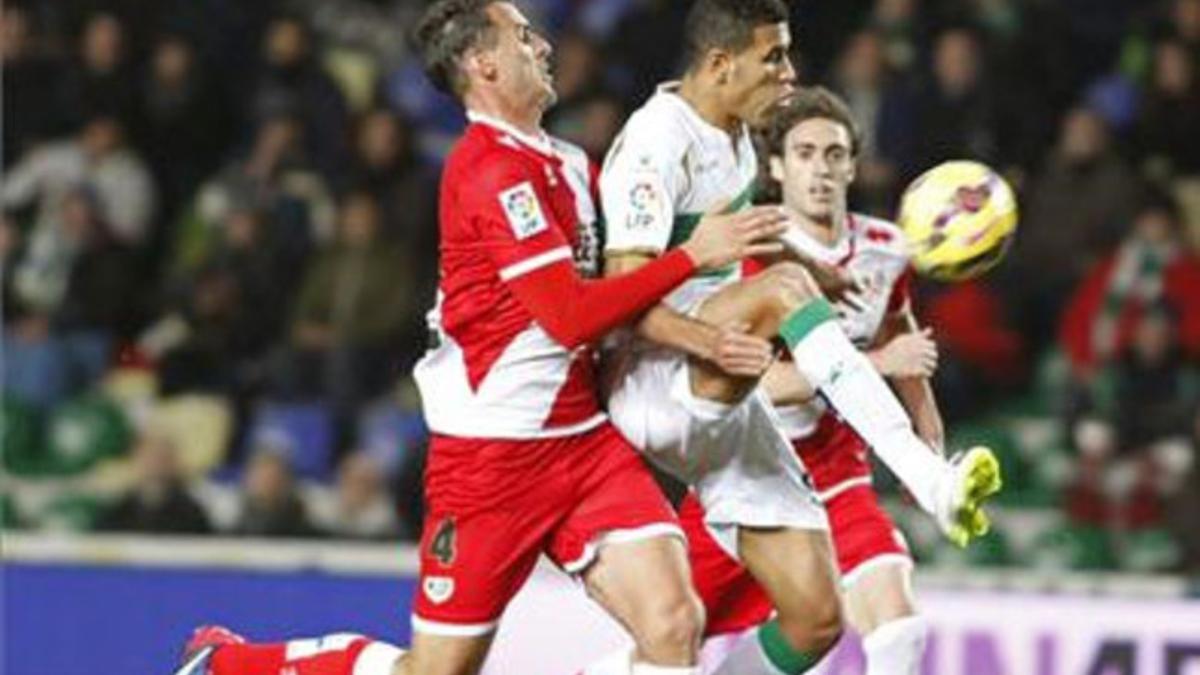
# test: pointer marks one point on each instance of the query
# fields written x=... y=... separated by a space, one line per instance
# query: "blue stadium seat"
x=304 y=431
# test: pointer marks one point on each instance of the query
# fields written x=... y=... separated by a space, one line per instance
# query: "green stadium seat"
x=1074 y=547
x=84 y=431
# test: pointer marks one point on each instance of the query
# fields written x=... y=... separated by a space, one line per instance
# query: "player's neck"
x=828 y=231
x=707 y=105
x=522 y=118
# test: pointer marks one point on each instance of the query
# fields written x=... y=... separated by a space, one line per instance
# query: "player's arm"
x=907 y=355
x=535 y=260
x=730 y=347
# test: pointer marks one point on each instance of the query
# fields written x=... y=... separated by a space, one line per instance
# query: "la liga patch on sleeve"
x=523 y=211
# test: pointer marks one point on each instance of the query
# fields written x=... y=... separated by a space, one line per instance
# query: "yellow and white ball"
x=959 y=218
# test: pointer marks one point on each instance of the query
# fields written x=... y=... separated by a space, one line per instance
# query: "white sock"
x=621 y=663
x=377 y=658
x=896 y=647
x=647 y=669
x=852 y=386
x=747 y=658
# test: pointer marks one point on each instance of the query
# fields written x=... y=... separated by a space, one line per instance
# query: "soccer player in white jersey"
x=809 y=143
x=685 y=152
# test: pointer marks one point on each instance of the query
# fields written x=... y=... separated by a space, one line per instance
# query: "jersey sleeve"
x=507 y=205
x=640 y=183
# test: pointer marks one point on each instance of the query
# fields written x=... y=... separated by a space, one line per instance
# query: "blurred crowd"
x=219 y=238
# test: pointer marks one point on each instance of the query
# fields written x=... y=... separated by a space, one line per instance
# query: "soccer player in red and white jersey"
x=809 y=147
x=522 y=459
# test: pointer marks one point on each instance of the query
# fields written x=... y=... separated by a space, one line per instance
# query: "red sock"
x=329 y=655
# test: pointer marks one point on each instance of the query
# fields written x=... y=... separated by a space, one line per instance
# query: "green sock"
x=781 y=654
x=802 y=321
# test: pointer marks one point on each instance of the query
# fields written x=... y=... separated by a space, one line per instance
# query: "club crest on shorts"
x=524 y=214
x=438 y=589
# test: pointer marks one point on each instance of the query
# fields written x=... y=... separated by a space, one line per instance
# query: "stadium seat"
x=84 y=431
x=199 y=426
x=304 y=431
x=1075 y=548
x=390 y=434
x=20 y=437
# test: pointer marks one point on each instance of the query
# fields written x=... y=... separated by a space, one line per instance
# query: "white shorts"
x=740 y=464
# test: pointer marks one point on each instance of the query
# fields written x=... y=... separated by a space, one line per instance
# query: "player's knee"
x=673 y=627
x=818 y=628
x=787 y=286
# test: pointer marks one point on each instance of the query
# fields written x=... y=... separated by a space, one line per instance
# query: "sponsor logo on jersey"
x=438 y=589
x=524 y=214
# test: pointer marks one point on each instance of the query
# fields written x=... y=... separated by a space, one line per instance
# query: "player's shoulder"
x=660 y=127
x=486 y=158
x=879 y=234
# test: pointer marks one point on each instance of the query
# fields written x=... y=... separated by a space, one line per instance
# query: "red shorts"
x=495 y=505
x=862 y=533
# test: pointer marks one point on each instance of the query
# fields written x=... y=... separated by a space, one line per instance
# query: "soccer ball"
x=959 y=218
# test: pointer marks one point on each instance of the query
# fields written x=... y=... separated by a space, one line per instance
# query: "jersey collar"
x=670 y=91
x=540 y=142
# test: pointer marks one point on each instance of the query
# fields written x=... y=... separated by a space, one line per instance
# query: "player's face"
x=763 y=72
x=816 y=169
x=522 y=57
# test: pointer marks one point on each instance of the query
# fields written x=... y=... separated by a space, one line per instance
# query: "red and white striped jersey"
x=875 y=253
x=510 y=204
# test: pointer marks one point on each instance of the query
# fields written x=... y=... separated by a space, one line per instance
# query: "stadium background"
x=218 y=240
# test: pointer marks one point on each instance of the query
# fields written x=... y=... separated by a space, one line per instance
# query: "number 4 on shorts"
x=442 y=544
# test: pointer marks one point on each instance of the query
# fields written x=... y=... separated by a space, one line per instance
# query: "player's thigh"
x=796 y=569
x=760 y=303
x=645 y=585
x=879 y=595
x=444 y=655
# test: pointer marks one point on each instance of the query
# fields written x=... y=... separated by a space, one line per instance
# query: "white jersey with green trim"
x=666 y=169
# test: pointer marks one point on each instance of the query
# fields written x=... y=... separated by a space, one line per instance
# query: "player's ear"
x=481 y=64
x=775 y=167
x=852 y=172
x=720 y=63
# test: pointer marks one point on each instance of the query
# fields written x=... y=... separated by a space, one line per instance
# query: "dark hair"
x=805 y=103
x=727 y=24
x=446 y=32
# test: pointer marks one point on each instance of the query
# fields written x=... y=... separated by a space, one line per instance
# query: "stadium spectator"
x=1077 y=208
x=28 y=70
x=359 y=506
x=385 y=165
x=861 y=76
x=271 y=505
x=73 y=295
x=184 y=130
x=275 y=178
x=103 y=81
x=1133 y=431
x=354 y=300
x=98 y=157
x=950 y=115
x=902 y=31
x=291 y=81
x=1150 y=268
x=159 y=501
x=1167 y=138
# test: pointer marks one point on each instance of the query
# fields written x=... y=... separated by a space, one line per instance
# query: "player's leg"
x=877 y=580
x=646 y=587
x=880 y=606
x=795 y=569
x=623 y=539
x=785 y=302
x=214 y=650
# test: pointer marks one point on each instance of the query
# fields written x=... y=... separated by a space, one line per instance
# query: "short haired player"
x=686 y=152
x=522 y=459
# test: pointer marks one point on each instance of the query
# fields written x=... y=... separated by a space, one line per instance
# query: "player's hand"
x=908 y=355
x=741 y=354
x=723 y=238
x=836 y=283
